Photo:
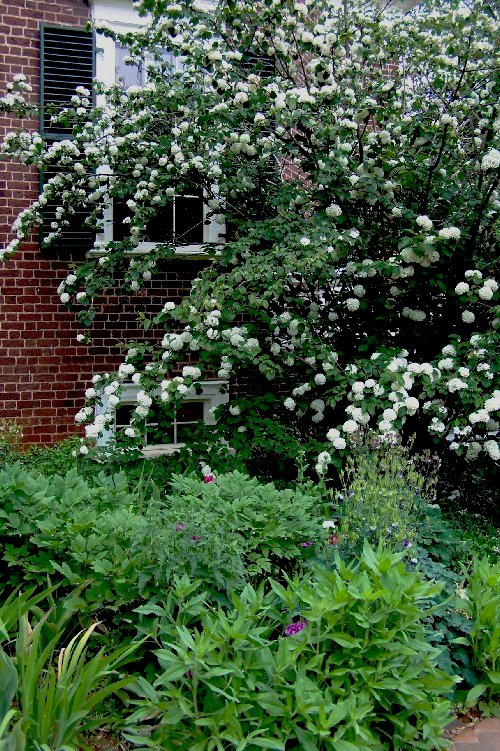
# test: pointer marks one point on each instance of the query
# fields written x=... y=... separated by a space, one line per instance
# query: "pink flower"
x=209 y=478
x=333 y=539
x=179 y=526
x=295 y=628
x=196 y=538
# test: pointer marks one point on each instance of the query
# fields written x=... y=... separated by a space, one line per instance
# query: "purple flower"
x=209 y=478
x=196 y=538
x=295 y=628
x=179 y=526
x=407 y=544
x=306 y=544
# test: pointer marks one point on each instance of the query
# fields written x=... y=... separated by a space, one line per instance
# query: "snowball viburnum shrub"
x=354 y=156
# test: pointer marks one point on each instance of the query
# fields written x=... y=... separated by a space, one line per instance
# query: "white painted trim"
x=121 y=16
x=213 y=394
x=118 y=14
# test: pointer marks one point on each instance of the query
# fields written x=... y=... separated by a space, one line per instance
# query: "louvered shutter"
x=67 y=60
x=262 y=65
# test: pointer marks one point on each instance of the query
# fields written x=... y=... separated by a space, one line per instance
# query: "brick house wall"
x=43 y=369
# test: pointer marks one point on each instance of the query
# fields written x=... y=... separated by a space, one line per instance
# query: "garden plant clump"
x=187 y=602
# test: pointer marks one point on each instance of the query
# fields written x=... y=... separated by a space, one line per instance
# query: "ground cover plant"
x=210 y=639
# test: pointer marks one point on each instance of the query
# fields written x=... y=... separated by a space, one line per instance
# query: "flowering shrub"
x=361 y=291
x=337 y=662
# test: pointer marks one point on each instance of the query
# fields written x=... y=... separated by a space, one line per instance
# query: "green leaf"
x=8 y=683
x=345 y=640
x=474 y=694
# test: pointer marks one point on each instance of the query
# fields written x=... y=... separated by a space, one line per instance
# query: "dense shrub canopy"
x=360 y=289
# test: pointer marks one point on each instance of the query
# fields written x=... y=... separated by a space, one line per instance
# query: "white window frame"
x=121 y=17
x=213 y=394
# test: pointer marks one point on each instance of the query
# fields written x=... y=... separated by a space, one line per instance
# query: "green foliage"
x=10 y=439
x=250 y=529
x=126 y=545
x=51 y=687
x=51 y=460
x=358 y=674
x=383 y=497
x=481 y=603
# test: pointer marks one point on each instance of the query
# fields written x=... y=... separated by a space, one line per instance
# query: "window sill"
x=194 y=252
x=161 y=449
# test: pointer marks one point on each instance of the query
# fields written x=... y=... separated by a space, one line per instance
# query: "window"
x=164 y=435
x=182 y=221
x=67 y=60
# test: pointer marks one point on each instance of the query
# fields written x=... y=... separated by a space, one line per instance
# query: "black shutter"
x=67 y=60
x=254 y=62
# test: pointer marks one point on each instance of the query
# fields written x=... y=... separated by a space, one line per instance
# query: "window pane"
x=189 y=220
x=163 y=434
x=185 y=431
x=120 y=212
x=190 y=412
x=123 y=415
x=160 y=229
x=128 y=75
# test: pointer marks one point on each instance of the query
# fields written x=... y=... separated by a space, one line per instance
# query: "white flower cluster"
x=323 y=461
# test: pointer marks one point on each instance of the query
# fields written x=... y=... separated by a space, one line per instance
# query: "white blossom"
x=491 y=160
x=424 y=222
x=449 y=233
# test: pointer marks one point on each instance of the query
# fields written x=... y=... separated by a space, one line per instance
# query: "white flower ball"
x=352 y=304
x=334 y=210
x=449 y=233
x=491 y=160
x=389 y=414
x=449 y=350
x=462 y=288
x=468 y=316
x=350 y=426
x=332 y=434
x=339 y=443
x=412 y=404
x=424 y=222
x=493 y=450
x=485 y=293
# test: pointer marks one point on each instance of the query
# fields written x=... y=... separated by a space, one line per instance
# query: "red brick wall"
x=43 y=370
